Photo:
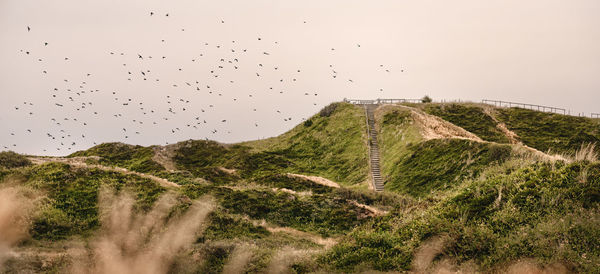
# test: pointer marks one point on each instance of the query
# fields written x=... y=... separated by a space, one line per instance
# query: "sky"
x=231 y=71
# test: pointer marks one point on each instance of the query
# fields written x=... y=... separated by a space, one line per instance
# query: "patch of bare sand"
x=228 y=170
x=513 y=138
x=326 y=242
x=316 y=179
x=433 y=127
x=375 y=211
x=301 y=193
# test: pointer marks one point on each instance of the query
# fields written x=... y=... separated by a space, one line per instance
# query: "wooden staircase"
x=373 y=148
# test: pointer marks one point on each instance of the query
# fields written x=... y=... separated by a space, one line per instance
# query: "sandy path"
x=316 y=179
x=433 y=127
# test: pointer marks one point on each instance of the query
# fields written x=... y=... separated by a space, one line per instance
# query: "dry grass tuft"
x=13 y=221
x=130 y=243
x=587 y=152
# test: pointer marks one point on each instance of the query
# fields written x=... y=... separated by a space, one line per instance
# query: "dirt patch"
x=375 y=211
x=301 y=193
x=513 y=138
x=228 y=170
x=326 y=242
x=316 y=179
x=433 y=127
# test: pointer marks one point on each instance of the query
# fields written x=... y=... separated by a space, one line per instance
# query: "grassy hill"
x=466 y=188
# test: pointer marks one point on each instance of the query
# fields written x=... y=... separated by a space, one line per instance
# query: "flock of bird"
x=78 y=101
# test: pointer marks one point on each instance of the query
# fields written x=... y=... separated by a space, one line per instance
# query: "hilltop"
x=468 y=187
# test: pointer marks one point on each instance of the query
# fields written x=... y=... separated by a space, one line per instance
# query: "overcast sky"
x=212 y=77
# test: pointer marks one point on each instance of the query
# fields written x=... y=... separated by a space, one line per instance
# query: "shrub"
x=426 y=99
x=328 y=110
x=9 y=159
x=308 y=123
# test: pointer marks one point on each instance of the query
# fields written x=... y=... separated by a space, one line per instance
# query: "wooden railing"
x=381 y=101
x=498 y=103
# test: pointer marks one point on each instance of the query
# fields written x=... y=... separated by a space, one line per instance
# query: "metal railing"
x=381 y=101
x=595 y=115
x=498 y=103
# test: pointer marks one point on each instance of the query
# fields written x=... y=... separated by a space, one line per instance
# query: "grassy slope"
x=137 y=158
x=332 y=146
x=70 y=209
x=547 y=131
x=547 y=212
x=470 y=117
x=416 y=167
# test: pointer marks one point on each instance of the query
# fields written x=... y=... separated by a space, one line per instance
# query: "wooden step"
x=374 y=149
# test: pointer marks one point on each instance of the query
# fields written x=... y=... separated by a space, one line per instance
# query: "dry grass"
x=587 y=152
x=13 y=221
x=130 y=243
x=239 y=259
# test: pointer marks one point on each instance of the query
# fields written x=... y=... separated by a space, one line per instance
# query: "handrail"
x=498 y=103
x=369 y=142
x=381 y=101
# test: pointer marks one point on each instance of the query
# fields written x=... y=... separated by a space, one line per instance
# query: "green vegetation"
x=224 y=226
x=324 y=214
x=470 y=117
x=426 y=99
x=136 y=158
x=544 y=211
x=9 y=159
x=71 y=206
x=206 y=159
x=442 y=163
x=489 y=202
x=293 y=183
x=395 y=135
x=416 y=167
x=551 y=132
x=332 y=146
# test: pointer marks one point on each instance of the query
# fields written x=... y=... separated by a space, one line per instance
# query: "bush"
x=328 y=110
x=9 y=159
x=308 y=123
x=426 y=99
